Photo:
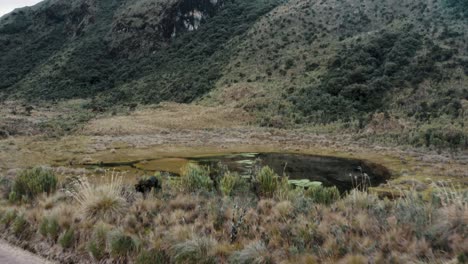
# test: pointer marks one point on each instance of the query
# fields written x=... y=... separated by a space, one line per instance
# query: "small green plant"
x=30 y=183
x=97 y=244
x=232 y=183
x=121 y=245
x=196 y=178
x=267 y=182
x=194 y=251
x=152 y=257
x=67 y=239
x=323 y=195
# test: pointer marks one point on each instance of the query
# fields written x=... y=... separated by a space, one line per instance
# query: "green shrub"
x=67 y=239
x=195 y=178
x=30 y=183
x=121 y=245
x=323 y=195
x=194 y=251
x=152 y=257
x=267 y=182
x=232 y=183
x=97 y=244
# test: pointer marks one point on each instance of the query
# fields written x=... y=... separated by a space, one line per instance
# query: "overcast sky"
x=6 y=6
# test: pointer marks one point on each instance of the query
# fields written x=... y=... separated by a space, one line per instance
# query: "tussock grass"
x=96 y=246
x=104 y=201
x=255 y=253
x=293 y=225
x=121 y=245
x=196 y=250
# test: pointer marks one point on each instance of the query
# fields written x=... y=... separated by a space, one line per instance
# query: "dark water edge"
x=343 y=173
x=346 y=174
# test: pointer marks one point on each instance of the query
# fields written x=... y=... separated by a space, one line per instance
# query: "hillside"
x=399 y=68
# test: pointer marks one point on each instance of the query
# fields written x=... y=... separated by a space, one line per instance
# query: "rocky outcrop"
x=144 y=26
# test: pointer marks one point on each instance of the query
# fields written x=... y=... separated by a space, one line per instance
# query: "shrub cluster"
x=30 y=183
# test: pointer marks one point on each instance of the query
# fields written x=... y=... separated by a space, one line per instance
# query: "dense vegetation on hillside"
x=295 y=62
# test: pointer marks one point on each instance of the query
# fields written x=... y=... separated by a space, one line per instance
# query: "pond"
x=343 y=173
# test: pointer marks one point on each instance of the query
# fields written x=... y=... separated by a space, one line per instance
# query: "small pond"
x=343 y=173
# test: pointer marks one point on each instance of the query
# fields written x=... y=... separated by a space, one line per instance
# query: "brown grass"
x=168 y=116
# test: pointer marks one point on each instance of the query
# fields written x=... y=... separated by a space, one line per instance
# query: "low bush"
x=195 y=178
x=323 y=195
x=266 y=182
x=30 y=183
x=232 y=183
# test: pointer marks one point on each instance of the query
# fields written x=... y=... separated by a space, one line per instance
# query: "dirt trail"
x=13 y=255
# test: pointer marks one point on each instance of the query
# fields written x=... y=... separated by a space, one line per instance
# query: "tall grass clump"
x=8 y=217
x=266 y=182
x=152 y=257
x=121 y=246
x=254 y=253
x=232 y=183
x=50 y=227
x=98 y=241
x=105 y=201
x=195 y=178
x=198 y=250
x=67 y=239
x=20 y=227
x=323 y=195
x=30 y=183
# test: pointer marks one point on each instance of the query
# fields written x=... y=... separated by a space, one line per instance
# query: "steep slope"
x=354 y=64
x=344 y=61
x=121 y=50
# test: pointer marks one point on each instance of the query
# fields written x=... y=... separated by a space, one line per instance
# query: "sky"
x=6 y=6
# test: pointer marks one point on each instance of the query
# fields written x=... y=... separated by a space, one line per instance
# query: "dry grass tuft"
x=104 y=201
